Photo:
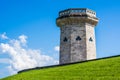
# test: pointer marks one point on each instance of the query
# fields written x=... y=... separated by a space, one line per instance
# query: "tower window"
x=65 y=39
x=78 y=38
x=91 y=39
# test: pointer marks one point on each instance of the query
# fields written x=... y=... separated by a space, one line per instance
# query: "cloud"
x=56 y=48
x=22 y=57
x=5 y=61
x=3 y=36
x=23 y=39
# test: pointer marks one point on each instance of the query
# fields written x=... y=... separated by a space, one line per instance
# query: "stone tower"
x=77 y=39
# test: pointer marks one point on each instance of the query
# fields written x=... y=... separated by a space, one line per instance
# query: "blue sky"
x=31 y=25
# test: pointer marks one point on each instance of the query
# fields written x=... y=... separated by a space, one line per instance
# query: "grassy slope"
x=105 y=69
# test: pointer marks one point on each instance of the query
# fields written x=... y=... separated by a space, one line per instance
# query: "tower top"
x=77 y=11
x=77 y=14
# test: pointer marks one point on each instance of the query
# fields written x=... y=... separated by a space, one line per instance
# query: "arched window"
x=65 y=39
x=78 y=38
x=91 y=39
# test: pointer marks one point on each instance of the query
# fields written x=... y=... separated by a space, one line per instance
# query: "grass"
x=104 y=69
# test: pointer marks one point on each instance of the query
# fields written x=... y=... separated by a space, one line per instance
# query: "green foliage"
x=105 y=69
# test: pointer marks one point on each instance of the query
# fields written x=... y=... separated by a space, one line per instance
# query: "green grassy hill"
x=103 y=69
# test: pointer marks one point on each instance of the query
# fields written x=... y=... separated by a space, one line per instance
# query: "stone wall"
x=90 y=42
x=77 y=43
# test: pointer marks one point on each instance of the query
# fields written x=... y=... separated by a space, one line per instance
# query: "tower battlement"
x=77 y=14
x=77 y=11
x=77 y=39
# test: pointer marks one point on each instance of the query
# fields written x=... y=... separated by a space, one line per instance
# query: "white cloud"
x=23 y=39
x=5 y=60
x=56 y=48
x=3 y=36
x=22 y=57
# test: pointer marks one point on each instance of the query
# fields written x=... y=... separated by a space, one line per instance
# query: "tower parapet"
x=77 y=15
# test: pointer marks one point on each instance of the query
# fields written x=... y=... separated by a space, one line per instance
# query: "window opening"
x=78 y=38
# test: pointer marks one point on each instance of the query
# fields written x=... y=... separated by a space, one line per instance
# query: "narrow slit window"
x=78 y=38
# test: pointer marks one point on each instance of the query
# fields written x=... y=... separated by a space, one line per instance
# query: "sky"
x=29 y=36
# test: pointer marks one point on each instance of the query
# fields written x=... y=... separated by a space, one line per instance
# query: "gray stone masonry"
x=77 y=39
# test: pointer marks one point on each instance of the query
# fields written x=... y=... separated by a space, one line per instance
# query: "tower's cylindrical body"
x=77 y=39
